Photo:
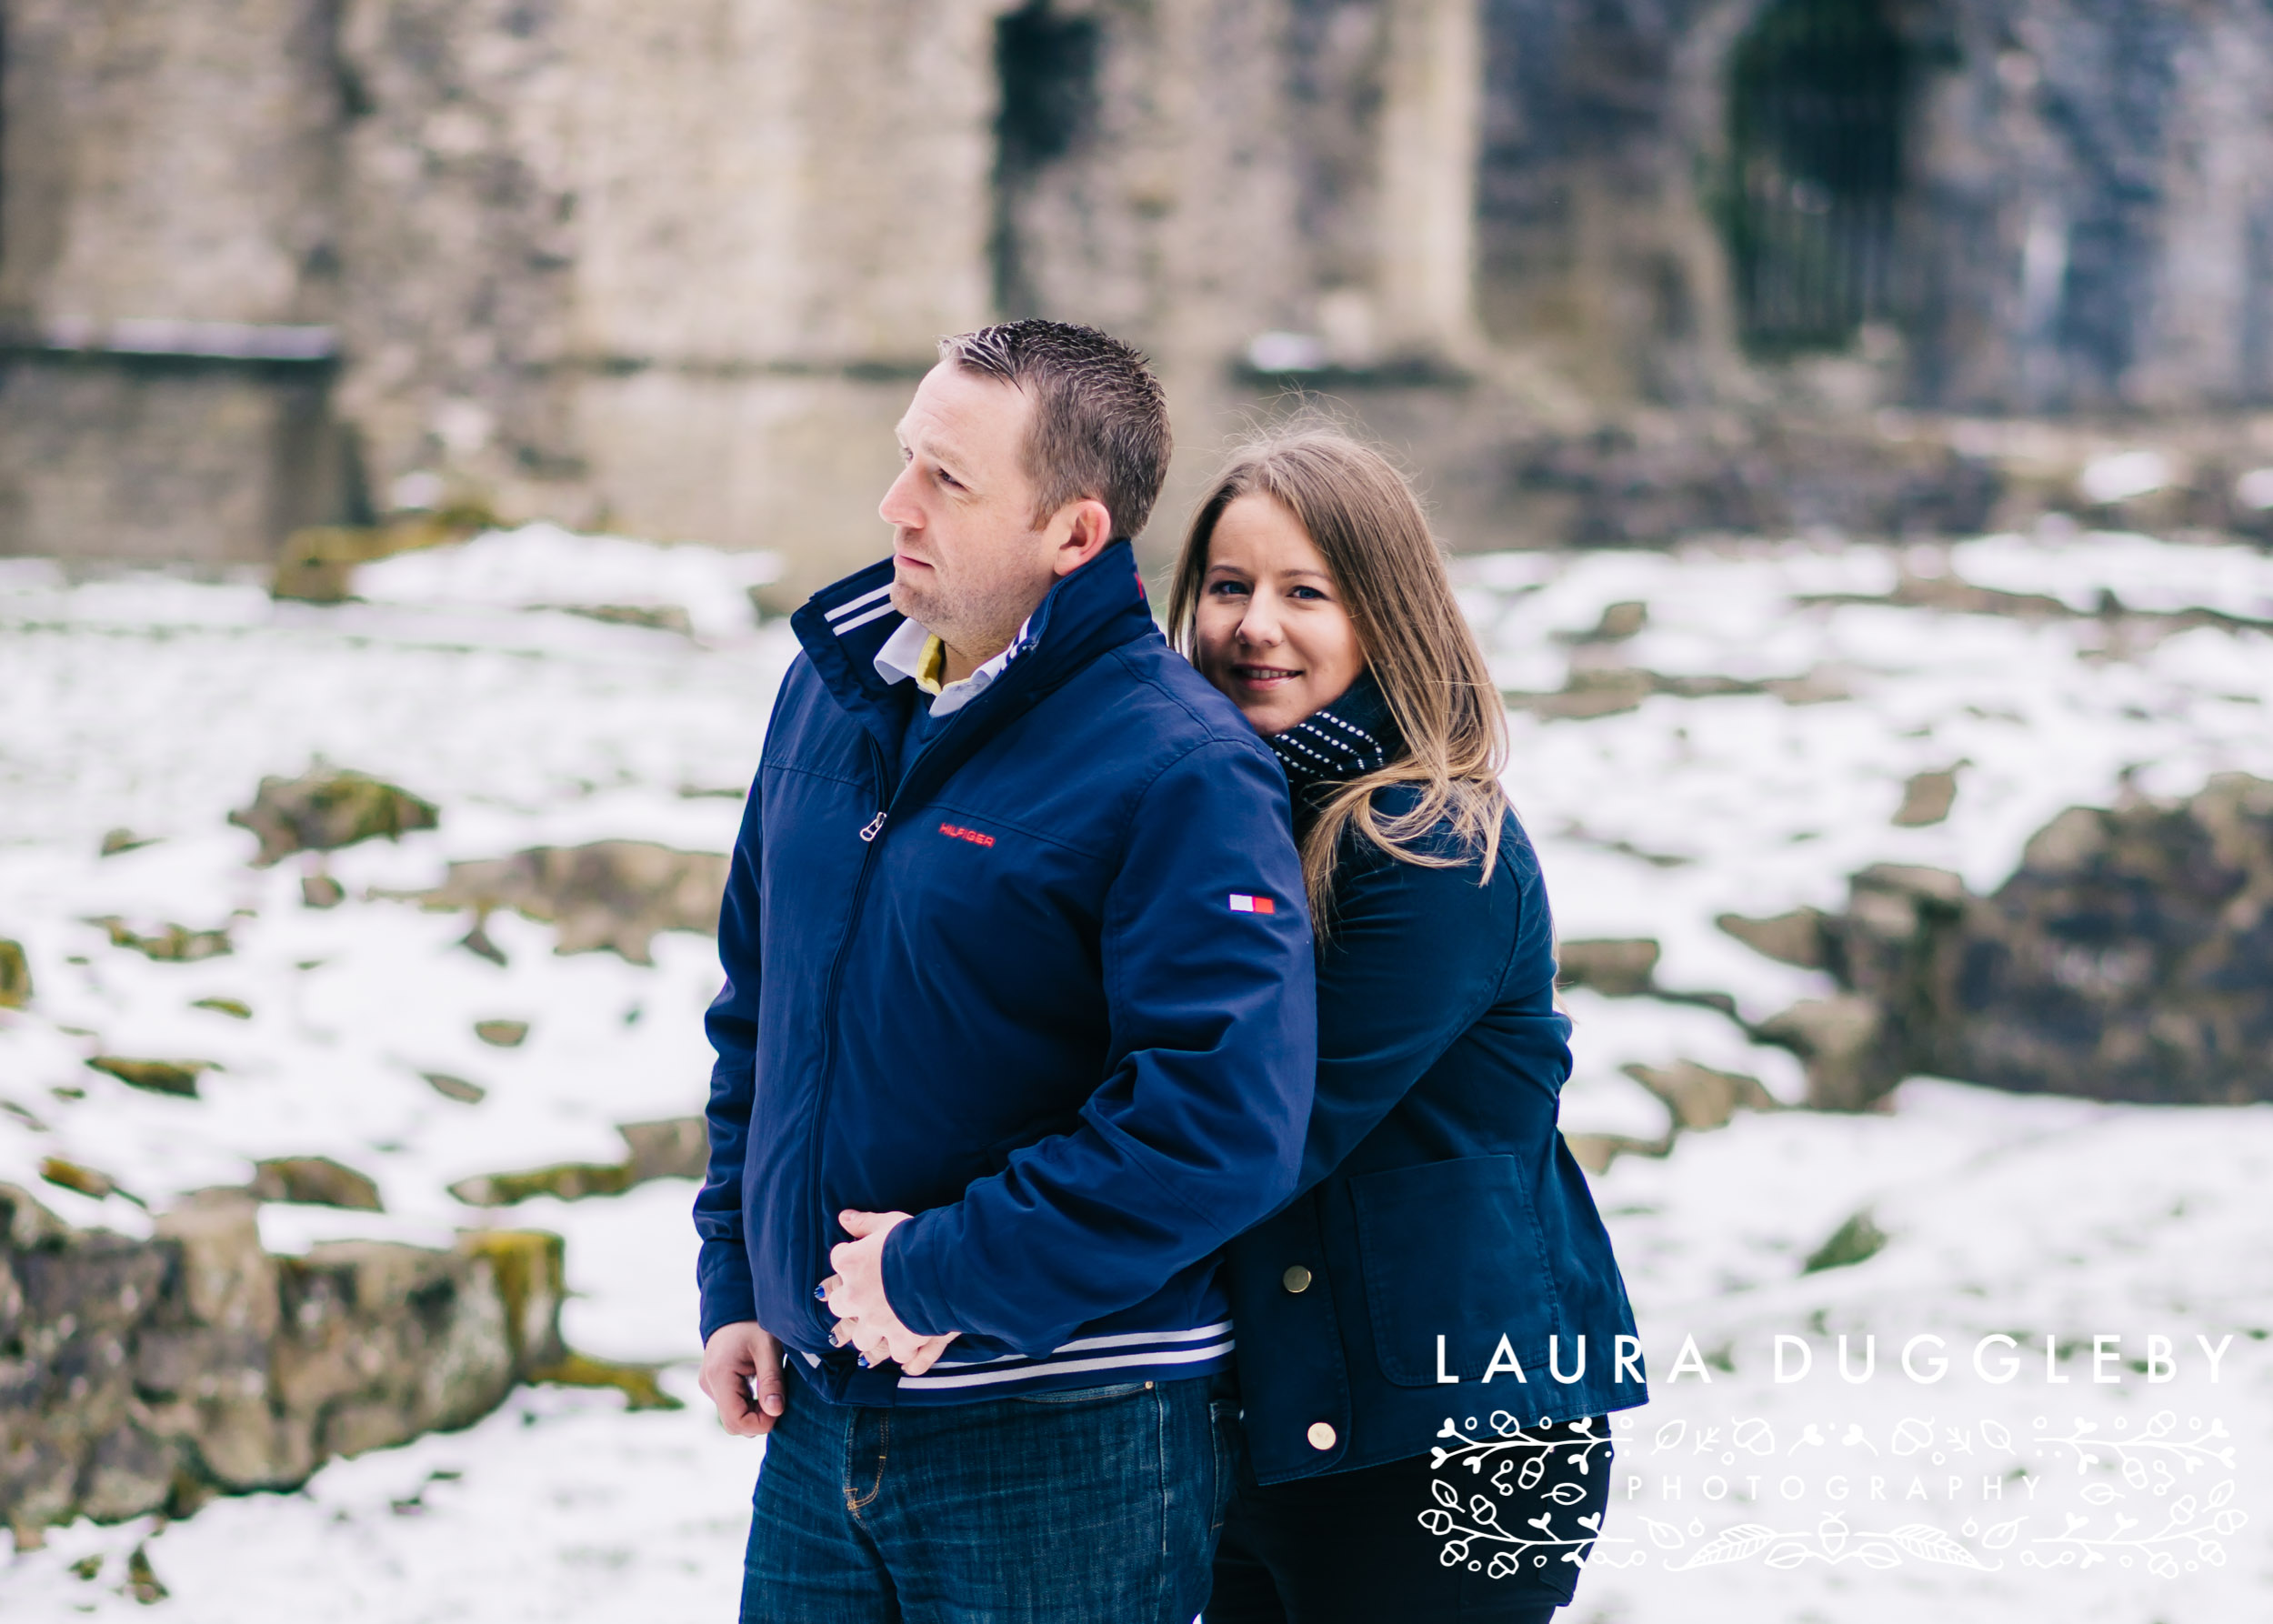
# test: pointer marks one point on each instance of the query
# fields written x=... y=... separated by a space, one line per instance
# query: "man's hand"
x=736 y=1357
x=855 y=1294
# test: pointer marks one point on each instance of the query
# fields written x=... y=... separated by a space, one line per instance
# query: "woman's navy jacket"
x=1442 y=1211
x=1044 y=983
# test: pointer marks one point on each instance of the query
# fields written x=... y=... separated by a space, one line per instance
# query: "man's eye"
x=948 y=479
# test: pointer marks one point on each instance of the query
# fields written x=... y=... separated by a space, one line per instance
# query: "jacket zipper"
x=868 y=833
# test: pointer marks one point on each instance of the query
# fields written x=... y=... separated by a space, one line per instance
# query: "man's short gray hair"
x=1100 y=419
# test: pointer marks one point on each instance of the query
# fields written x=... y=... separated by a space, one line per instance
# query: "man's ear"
x=1091 y=528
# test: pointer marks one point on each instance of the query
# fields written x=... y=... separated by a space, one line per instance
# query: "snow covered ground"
x=154 y=703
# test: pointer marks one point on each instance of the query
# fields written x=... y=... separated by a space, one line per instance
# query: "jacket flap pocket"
x=1454 y=1249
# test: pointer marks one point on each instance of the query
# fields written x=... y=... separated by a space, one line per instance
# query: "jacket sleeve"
x=1196 y=1131
x=722 y=1267
x=1416 y=957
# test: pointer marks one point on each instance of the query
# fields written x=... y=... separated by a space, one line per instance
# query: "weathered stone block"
x=177 y=1077
x=1700 y=1098
x=1840 y=1041
x=129 y=1472
x=530 y=1267
x=170 y=944
x=678 y=1147
x=612 y=894
x=39 y=1480
x=1614 y=968
x=315 y=1179
x=1796 y=937
x=244 y=1444
x=143 y=1375
x=323 y=811
x=228 y=1281
x=2130 y=957
x=200 y=1363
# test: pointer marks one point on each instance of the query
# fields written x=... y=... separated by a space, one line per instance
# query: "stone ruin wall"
x=141 y=1376
x=661 y=267
x=2088 y=224
x=672 y=269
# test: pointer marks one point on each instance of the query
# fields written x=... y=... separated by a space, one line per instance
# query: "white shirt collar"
x=903 y=651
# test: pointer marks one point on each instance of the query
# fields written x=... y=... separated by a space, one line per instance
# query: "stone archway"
x=1047 y=64
x=1817 y=95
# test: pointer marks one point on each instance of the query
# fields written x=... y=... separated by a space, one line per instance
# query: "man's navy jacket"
x=1044 y=983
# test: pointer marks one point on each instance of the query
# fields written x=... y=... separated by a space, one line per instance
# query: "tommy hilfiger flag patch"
x=1241 y=903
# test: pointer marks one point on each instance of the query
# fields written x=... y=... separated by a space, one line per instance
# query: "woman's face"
x=1272 y=631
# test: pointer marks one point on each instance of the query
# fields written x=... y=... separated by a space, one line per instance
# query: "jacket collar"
x=1096 y=609
x=1352 y=736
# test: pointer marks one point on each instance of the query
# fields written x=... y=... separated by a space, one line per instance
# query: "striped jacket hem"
x=1085 y=1361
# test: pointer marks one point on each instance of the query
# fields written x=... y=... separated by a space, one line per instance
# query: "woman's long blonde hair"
x=1364 y=521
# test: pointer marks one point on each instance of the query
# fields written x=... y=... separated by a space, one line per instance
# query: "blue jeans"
x=1098 y=1505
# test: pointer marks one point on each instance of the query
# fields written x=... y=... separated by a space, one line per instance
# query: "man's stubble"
x=975 y=617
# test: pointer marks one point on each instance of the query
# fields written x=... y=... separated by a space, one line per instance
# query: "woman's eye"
x=1228 y=588
x=1308 y=592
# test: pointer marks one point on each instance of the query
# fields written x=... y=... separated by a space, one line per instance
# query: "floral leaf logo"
x=1746 y=1540
x=1930 y=1544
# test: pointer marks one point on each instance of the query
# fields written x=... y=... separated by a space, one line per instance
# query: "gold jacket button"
x=1320 y=1435
x=1296 y=1279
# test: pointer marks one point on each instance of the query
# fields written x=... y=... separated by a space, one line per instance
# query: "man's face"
x=967 y=560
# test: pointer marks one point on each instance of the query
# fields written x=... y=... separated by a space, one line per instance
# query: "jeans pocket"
x=1223 y=1420
x=1117 y=1390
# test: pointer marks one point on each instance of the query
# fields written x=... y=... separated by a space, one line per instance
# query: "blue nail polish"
x=820 y=1294
x=864 y=1361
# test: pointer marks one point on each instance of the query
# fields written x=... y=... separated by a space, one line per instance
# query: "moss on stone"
x=455 y=1087
x=638 y=1383
x=326 y=809
x=1854 y=1241
x=569 y=1181
x=675 y=1147
x=16 y=976
x=315 y=1181
x=318 y=565
x=142 y=1579
x=530 y=1266
x=173 y=944
x=156 y=1077
x=86 y=1180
